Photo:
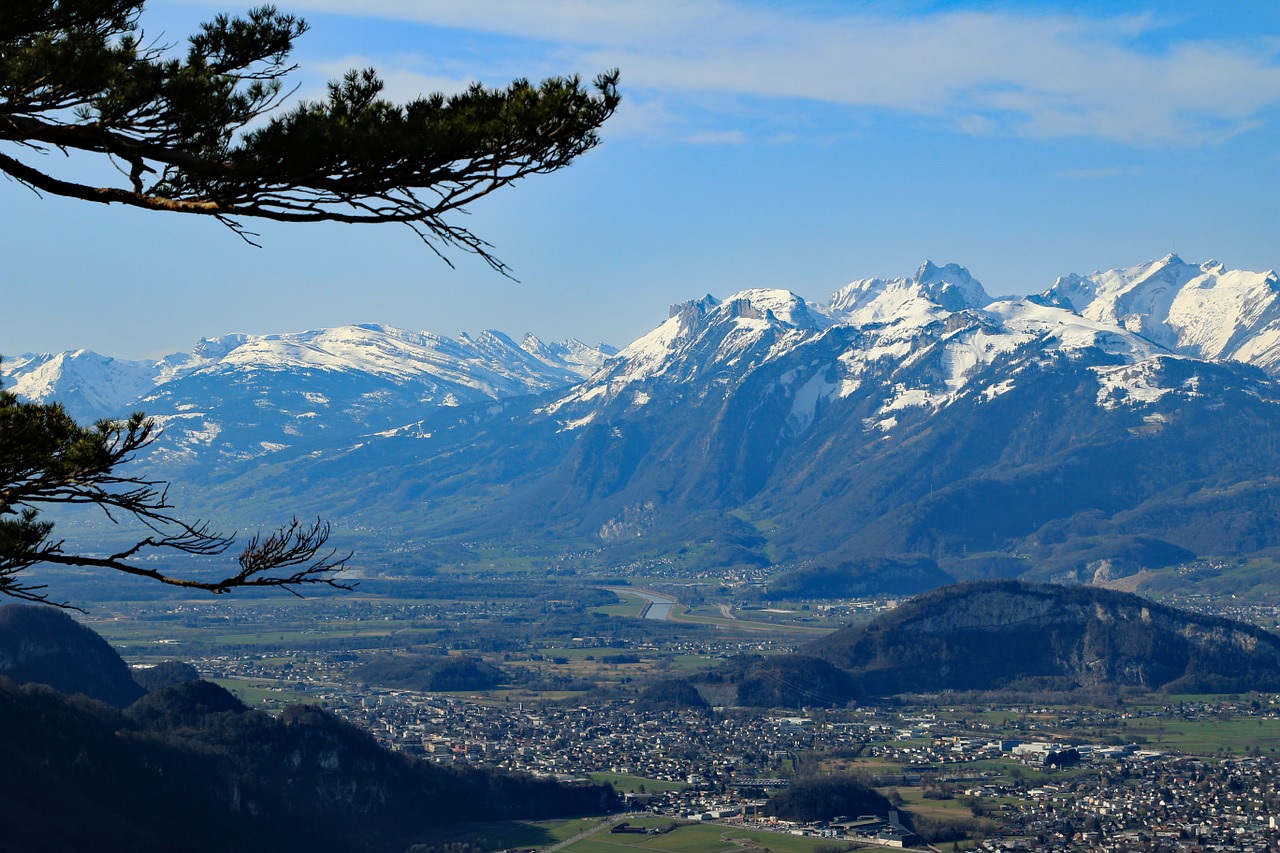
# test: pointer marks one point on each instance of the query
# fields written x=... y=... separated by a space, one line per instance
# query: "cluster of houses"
x=1146 y=802
x=687 y=748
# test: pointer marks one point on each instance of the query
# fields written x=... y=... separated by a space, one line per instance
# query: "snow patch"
x=807 y=398
x=569 y=426
x=999 y=388
x=1129 y=385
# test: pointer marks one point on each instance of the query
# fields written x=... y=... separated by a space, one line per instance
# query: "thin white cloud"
x=1031 y=74
x=1099 y=174
x=641 y=116
x=976 y=125
x=718 y=137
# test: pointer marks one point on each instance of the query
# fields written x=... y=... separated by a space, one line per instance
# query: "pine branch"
x=46 y=459
x=74 y=82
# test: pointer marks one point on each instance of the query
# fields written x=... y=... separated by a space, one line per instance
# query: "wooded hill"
x=1018 y=636
x=189 y=767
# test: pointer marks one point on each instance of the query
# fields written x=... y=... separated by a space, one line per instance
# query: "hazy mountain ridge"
x=1043 y=471
x=241 y=396
x=487 y=366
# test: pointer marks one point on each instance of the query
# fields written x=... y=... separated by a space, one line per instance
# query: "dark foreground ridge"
x=47 y=646
x=189 y=767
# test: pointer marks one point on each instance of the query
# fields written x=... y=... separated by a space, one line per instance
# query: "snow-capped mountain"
x=253 y=395
x=909 y=416
x=241 y=396
x=908 y=343
x=573 y=353
x=931 y=291
x=1112 y=421
x=1205 y=310
x=89 y=385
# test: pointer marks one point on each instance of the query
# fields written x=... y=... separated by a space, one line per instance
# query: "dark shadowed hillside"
x=44 y=645
x=826 y=798
x=429 y=673
x=1012 y=635
x=189 y=765
x=190 y=762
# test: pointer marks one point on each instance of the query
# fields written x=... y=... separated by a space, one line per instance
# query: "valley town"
x=1128 y=772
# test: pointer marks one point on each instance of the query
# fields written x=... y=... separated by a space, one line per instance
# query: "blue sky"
x=796 y=145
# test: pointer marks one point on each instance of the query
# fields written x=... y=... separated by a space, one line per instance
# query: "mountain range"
x=243 y=395
x=906 y=433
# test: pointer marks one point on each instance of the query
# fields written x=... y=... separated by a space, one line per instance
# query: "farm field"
x=700 y=838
